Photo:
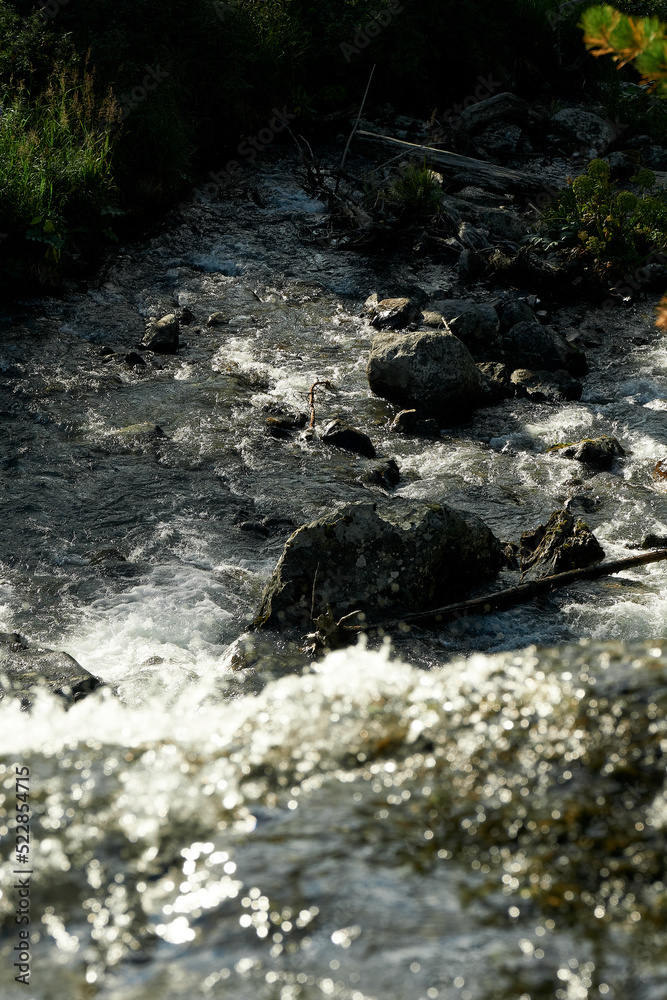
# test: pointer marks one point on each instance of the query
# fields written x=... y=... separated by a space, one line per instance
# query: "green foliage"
x=640 y=41
x=416 y=190
x=613 y=228
x=55 y=168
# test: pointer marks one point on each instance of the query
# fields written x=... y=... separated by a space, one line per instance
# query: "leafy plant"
x=614 y=228
x=641 y=42
x=416 y=190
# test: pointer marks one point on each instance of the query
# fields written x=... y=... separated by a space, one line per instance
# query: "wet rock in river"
x=562 y=544
x=391 y=314
x=513 y=311
x=430 y=371
x=386 y=474
x=254 y=527
x=343 y=435
x=407 y=558
x=410 y=422
x=474 y=323
x=140 y=432
x=24 y=666
x=548 y=387
x=598 y=452
x=162 y=335
x=534 y=346
x=134 y=360
x=284 y=424
x=496 y=378
x=653 y=541
x=216 y=319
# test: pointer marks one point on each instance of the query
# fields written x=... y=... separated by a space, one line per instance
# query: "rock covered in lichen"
x=409 y=557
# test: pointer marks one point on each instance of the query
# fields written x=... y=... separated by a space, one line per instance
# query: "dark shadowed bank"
x=110 y=111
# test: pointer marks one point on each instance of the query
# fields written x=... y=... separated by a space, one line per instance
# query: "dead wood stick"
x=523 y=592
x=311 y=398
x=515 y=180
x=354 y=127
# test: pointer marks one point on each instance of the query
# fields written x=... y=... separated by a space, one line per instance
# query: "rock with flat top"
x=598 y=452
x=560 y=545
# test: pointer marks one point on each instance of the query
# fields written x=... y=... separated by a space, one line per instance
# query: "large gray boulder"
x=433 y=372
x=410 y=557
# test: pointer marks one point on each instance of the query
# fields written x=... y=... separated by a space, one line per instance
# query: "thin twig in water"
x=311 y=398
x=312 y=600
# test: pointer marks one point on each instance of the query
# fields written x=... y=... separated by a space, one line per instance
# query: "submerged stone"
x=409 y=557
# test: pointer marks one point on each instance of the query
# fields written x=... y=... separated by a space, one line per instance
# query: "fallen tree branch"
x=513 y=180
x=518 y=595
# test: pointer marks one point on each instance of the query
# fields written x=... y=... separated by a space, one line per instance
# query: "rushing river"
x=459 y=816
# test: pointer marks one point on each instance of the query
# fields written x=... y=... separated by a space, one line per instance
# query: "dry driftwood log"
x=476 y=170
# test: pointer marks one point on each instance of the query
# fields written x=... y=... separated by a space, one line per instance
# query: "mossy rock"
x=598 y=452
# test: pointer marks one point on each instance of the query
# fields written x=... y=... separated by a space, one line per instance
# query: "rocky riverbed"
x=224 y=815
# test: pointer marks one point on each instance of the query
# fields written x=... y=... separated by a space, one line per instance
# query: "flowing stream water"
x=460 y=815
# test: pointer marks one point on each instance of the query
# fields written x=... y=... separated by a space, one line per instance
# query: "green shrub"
x=612 y=228
x=416 y=190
